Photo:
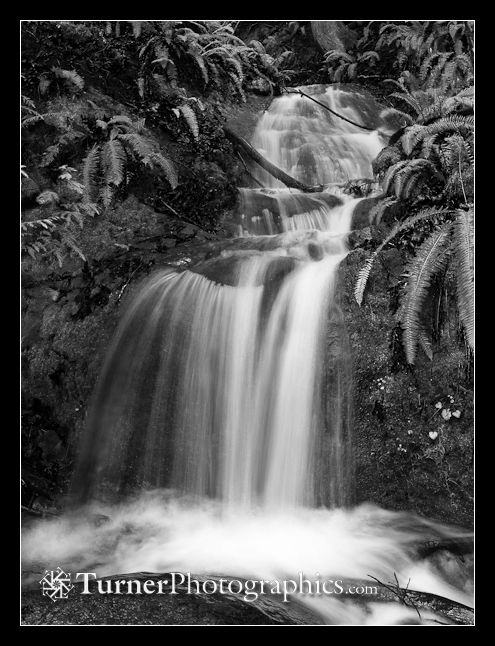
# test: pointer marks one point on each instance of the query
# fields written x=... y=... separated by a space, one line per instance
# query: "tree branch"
x=242 y=145
x=354 y=123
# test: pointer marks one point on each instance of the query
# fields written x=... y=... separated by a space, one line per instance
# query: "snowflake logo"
x=56 y=584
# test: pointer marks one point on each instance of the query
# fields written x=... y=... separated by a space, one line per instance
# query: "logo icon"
x=56 y=584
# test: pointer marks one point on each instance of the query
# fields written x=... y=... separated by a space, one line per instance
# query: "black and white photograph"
x=247 y=322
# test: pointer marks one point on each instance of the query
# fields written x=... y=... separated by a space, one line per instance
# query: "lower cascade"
x=219 y=437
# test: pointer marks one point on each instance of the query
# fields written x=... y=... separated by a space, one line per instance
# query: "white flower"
x=457 y=413
x=433 y=435
x=409 y=432
x=438 y=405
x=446 y=414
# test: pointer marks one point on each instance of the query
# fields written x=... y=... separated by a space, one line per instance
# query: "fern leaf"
x=391 y=173
x=393 y=112
x=113 y=160
x=464 y=255
x=166 y=165
x=410 y=100
x=410 y=138
x=137 y=144
x=120 y=120
x=429 y=259
x=362 y=280
x=385 y=158
x=398 y=228
x=198 y=59
x=91 y=169
x=376 y=213
x=191 y=120
x=70 y=76
x=425 y=343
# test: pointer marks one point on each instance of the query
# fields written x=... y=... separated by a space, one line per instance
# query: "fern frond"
x=113 y=160
x=362 y=280
x=91 y=169
x=425 y=66
x=411 y=171
x=70 y=76
x=191 y=120
x=429 y=145
x=414 y=135
x=120 y=120
x=410 y=100
x=376 y=213
x=410 y=138
x=398 y=228
x=425 y=343
x=198 y=59
x=166 y=165
x=391 y=173
x=27 y=102
x=386 y=157
x=391 y=112
x=137 y=144
x=463 y=246
x=430 y=258
x=455 y=148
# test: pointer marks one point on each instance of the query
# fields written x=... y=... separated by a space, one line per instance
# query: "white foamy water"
x=160 y=532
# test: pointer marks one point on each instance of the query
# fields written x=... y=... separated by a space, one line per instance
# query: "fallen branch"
x=289 y=181
x=329 y=109
x=247 y=171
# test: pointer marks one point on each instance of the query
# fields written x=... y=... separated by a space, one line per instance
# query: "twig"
x=400 y=593
x=329 y=109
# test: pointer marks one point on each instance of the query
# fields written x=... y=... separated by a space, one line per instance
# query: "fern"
x=71 y=77
x=430 y=258
x=364 y=273
x=386 y=157
x=165 y=164
x=425 y=343
x=91 y=168
x=463 y=247
x=136 y=144
x=191 y=120
x=114 y=161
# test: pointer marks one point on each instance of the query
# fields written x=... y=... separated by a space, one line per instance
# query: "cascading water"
x=233 y=396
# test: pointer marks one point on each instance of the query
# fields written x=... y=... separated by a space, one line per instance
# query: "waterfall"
x=230 y=390
x=218 y=440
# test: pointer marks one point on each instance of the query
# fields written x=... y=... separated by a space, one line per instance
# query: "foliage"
x=428 y=172
x=419 y=53
x=108 y=164
x=54 y=234
x=206 y=50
